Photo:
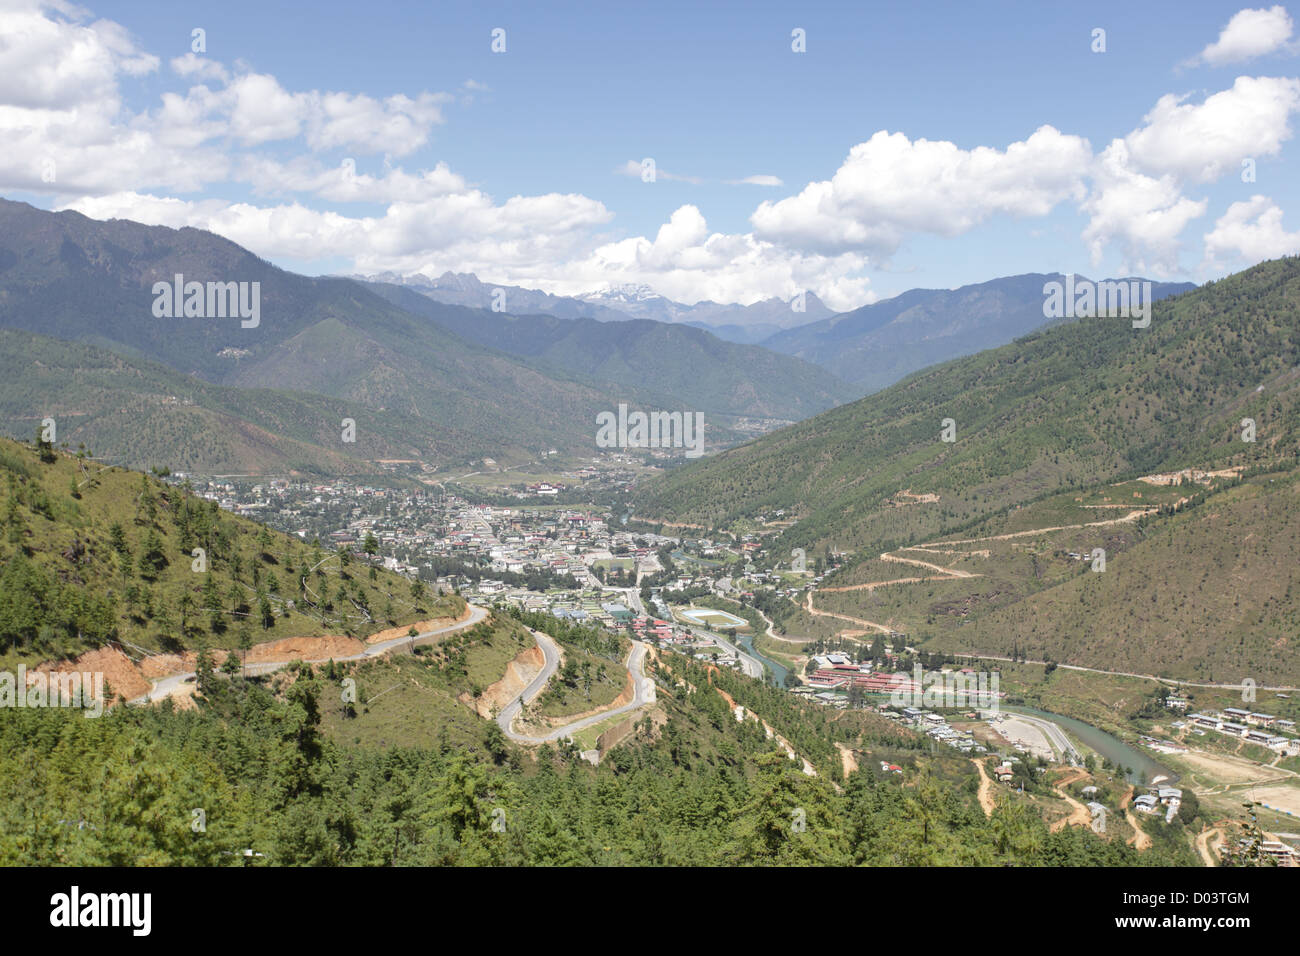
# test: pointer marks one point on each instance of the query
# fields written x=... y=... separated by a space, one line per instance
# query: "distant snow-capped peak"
x=626 y=292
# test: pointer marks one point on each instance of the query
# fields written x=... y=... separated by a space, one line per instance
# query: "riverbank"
x=1139 y=768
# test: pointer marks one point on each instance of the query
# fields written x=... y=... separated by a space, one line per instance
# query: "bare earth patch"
x=520 y=672
x=120 y=673
x=433 y=623
x=304 y=648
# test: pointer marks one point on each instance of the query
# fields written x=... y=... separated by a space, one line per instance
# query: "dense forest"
x=250 y=778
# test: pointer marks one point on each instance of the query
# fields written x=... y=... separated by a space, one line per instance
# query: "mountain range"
x=745 y=324
x=333 y=349
x=878 y=344
x=695 y=367
x=1058 y=442
x=868 y=348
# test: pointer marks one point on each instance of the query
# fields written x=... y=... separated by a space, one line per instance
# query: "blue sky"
x=1011 y=145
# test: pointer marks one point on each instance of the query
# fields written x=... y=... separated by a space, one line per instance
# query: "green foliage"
x=118 y=565
x=1069 y=406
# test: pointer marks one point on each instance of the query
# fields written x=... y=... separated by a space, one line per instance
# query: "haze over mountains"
x=869 y=348
x=746 y=324
x=878 y=344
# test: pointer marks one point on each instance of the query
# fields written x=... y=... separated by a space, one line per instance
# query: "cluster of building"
x=1170 y=798
x=1252 y=727
x=839 y=672
x=936 y=726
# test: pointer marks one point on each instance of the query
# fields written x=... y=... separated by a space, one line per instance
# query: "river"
x=1145 y=768
x=778 y=671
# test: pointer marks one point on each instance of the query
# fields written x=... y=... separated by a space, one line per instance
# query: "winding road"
x=643 y=693
x=164 y=686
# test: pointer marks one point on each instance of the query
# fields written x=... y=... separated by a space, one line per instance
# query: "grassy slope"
x=140 y=414
x=45 y=525
x=1070 y=406
x=411 y=700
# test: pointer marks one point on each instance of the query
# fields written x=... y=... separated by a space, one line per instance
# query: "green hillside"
x=141 y=414
x=983 y=545
x=685 y=366
x=445 y=398
x=1067 y=407
x=92 y=554
x=407 y=774
x=282 y=771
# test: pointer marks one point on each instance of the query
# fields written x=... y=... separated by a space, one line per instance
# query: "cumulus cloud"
x=542 y=242
x=890 y=186
x=1144 y=215
x=397 y=126
x=688 y=263
x=1252 y=231
x=53 y=61
x=1200 y=142
x=199 y=67
x=66 y=130
x=1136 y=198
x=1250 y=33
x=406 y=237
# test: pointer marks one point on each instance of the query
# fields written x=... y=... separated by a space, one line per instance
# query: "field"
x=708 y=617
x=1221 y=770
x=1283 y=797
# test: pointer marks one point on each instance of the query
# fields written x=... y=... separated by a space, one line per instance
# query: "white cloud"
x=261 y=110
x=756 y=181
x=1250 y=33
x=449 y=228
x=397 y=126
x=57 y=62
x=199 y=67
x=1250 y=230
x=891 y=186
x=65 y=129
x=1136 y=197
x=1201 y=142
x=346 y=182
x=1142 y=214
x=687 y=263
x=542 y=242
